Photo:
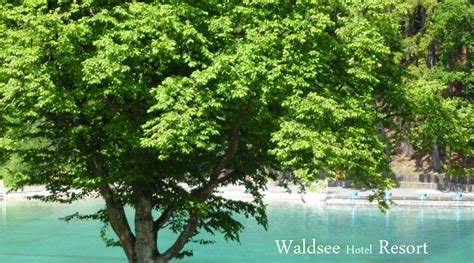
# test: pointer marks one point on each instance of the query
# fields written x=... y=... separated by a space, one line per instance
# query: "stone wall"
x=434 y=181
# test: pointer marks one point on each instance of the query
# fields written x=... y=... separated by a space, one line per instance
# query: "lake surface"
x=31 y=232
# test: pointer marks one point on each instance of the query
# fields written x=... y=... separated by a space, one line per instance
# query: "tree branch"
x=183 y=238
x=115 y=211
x=230 y=152
x=395 y=114
x=204 y=192
x=118 y=220
x=164 y=217
x=168 y=212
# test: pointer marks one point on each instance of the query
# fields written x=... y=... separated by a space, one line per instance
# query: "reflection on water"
x=422 y=215
x=387 y=219
x=31 y=232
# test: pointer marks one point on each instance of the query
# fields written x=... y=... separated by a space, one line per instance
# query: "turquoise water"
x=31 y=232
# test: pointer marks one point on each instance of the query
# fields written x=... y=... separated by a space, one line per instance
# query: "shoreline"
x=330 y=196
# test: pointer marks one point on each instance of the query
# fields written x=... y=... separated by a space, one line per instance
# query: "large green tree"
x=154 y=105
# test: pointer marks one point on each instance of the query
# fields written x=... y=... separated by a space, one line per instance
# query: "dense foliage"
x=157 y=104
x=439 y=40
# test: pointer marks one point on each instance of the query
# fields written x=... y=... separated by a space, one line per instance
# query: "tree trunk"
x=436 y=159
x=141 y=247
x=146 y=250
x=407 y=26
x=406 y=147
x=468 y=182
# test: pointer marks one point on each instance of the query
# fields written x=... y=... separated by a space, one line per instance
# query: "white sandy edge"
x=278 y=194
x=274 y=194
x=269 y=196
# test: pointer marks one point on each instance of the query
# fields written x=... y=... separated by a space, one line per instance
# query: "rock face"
x=416 y=172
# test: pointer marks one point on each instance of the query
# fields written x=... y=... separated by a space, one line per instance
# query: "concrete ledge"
x=418 y=185
x=415 y=203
